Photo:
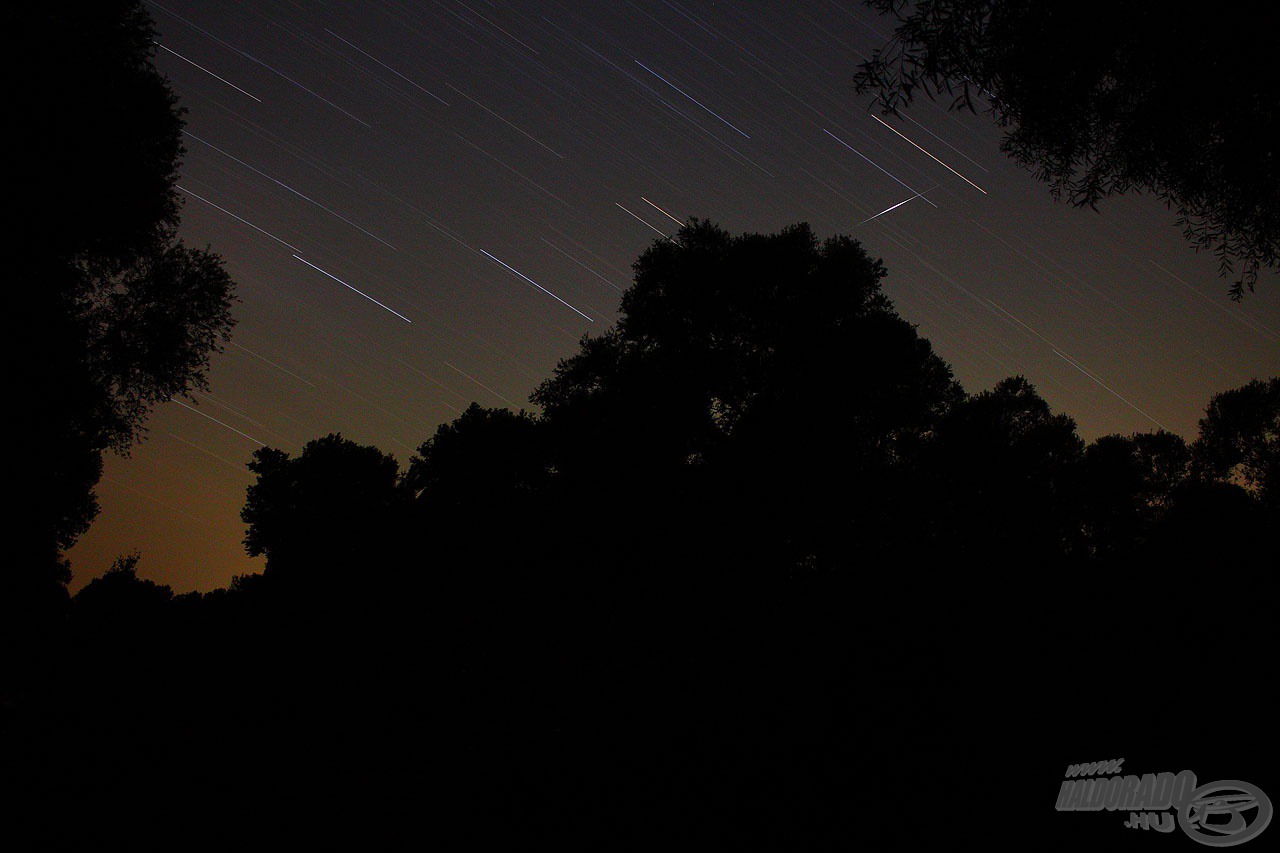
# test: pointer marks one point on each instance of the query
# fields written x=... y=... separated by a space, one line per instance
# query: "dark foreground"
x=909 y=710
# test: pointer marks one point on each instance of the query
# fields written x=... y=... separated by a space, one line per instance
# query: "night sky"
x=429 y=203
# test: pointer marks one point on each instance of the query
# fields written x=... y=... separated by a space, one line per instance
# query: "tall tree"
x=1101 y=98
x=748 y=379
x=1003 y=467
x=320 y=516
x=1239 y=439
x=114 y=313
x=1127 y=484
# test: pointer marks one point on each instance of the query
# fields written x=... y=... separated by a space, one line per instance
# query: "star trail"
x=484 y=174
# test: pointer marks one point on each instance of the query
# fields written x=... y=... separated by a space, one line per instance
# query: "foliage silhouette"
x=118 y=315
x=329 y=511
x=479 y=457
x=121 y=594
x=1127 y=483
x=1240 y=439
x=1094 y=98
x=747 y=378
x=1004 y=468
x=758 y=559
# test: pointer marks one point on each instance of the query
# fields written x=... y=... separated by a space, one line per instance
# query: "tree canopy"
x=329 y=511
x=750 y=376
x=1103 y=98
x=1240 y=439
x=117 y=314
x=754 y=521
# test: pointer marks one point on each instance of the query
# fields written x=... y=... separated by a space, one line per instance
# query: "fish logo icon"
x=1226 y=813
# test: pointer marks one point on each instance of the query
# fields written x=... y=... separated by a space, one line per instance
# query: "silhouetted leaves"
x=758 y=559
x=1240 y=439
x=323 y=517
x=1097 y=99
x=1127 y=485
x=116 y=314
x=1005 y=469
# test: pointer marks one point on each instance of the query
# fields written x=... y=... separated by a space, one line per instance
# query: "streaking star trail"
x=894 y=177
x=379 y=146
x=207 y=71
x=361 y=292
x=930 y=156
x=692 y=98
x=535 y=284
x=239 y=219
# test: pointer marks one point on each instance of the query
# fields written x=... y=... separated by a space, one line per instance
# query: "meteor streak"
x=581 y=264
x=388 y=67
x=503 y=120
x=272 y=363
x=898 y=205
x=1080 y=367
x=481 y=384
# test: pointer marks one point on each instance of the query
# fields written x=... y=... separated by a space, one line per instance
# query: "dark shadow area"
x=760 y=575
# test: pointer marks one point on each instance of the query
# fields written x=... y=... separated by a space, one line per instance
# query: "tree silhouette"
x=121 y=604
x=1240 y=439
x=322 y=517
x=758 y=549
x=100 y=125
x=1127 y=484
x=484 y=456
x=748 y=378
x=1004 y=467
x=480 y=486
x=1094 y=98
x=117 y=314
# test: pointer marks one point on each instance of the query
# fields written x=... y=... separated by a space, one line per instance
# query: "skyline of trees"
x=118 y=314
x=759 y=573
x=699 y=598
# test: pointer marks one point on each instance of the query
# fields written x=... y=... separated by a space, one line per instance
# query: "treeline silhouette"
x=110 y=312
x=760 y=575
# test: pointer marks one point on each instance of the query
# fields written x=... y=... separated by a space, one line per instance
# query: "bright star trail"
x=660 y=210
x=643 y=222
x=895 y=178
x=896 y=206
x=207 y=71
x=690 y=97
x=540 y=287
x=361 y=292
x=380 y=145
x=218 y=422
x=930 y=156
x=239 y=219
